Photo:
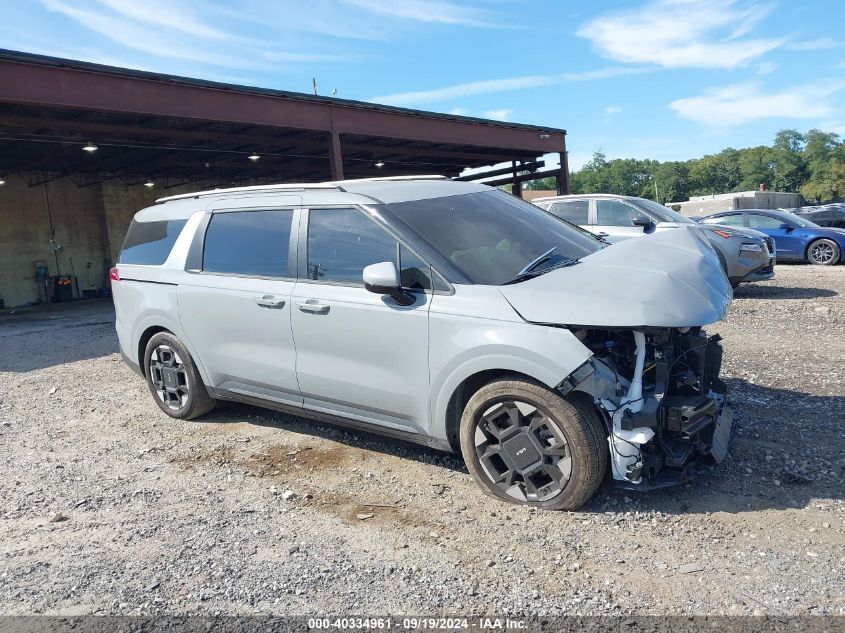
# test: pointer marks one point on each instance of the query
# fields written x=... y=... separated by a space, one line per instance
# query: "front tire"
x=525 y=444
x=173 y=378
x=823 y=252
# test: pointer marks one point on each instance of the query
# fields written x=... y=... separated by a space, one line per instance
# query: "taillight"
x=114 y=274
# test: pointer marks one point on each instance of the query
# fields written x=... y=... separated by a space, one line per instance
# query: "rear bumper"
x=132 y=364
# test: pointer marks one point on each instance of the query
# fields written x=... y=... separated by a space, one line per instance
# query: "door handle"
x=313 y=307
x=269 y=301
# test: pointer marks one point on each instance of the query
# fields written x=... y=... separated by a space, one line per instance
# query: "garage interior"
x=84 y=146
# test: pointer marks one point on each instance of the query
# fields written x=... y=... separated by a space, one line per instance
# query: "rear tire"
x=173 y=378
x=823 y=252
x=525 y=444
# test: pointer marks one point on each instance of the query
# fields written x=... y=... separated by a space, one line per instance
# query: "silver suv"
x=446 y=313
x=745 y=254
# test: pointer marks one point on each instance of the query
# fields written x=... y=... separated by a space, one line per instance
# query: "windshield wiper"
x=541 y=271
x=539 y=260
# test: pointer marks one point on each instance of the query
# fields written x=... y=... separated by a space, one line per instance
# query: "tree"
x=812 y=163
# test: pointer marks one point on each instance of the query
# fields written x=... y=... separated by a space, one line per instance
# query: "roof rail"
x=280 y=187
x=335 y=184
x=392 y=178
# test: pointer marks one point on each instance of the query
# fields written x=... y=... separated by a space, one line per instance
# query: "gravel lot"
x=108 y=506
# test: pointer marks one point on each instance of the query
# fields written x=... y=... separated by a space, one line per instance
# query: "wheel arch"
x=462 y=394
x=159 y=322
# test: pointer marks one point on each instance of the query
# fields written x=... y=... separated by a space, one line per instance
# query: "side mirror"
x=786 y=227
x=644 y=222
x=383 y=279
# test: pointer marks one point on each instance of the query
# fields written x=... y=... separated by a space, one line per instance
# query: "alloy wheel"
x=821 y=253
x=523 y=451
x=169 y=377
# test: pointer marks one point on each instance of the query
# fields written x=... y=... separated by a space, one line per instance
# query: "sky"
x=662 y=79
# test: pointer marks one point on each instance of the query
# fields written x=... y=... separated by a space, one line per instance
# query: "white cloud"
x=836 y=127
x=503 y=114
x=613 y=110
x=742 y=103
x=681 y=33
x=458 y=111
x=765 y=68
x=426 y=11
x=499 y=85
x=181 y=36
x=818 y=44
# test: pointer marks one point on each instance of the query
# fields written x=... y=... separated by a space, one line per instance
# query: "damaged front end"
x=659 y=392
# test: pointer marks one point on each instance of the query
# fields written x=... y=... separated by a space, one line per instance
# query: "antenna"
x=314 y=84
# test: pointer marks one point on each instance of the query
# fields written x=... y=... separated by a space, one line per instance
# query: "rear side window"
x=576 y=211
x=756 y=221
x=248 y=243
x=342 y=242
x=149 y=242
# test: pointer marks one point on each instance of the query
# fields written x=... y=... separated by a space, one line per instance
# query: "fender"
x=546 y=354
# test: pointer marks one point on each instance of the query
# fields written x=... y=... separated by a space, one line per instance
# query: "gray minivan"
x=445 y=313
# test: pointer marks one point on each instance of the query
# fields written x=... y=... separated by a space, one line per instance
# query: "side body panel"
x=475 y=330
x=361 y=355
x=240 y=324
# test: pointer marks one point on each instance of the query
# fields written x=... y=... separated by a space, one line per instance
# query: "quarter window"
x=342 y=242
x=615 y=213
x=415 y=273
x=248 y=243
x=576 y=211
x=149 y=242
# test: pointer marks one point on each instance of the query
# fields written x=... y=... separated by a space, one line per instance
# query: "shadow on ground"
x=768 y=291
x=768 y=421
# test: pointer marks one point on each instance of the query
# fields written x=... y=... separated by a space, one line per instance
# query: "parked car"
x=745 y=255
x=796 y=238
x=831 y=216
x=441 y=312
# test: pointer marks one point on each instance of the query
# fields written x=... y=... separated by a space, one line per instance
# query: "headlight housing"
x=751 y=248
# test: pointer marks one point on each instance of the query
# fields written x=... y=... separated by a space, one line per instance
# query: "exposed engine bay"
x=659 y=392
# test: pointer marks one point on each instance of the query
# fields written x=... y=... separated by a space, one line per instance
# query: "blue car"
x=796 y=238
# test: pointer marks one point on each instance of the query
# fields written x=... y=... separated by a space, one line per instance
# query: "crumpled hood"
x=667 y=279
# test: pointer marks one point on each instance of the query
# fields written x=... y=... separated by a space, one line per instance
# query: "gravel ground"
x=109 y=507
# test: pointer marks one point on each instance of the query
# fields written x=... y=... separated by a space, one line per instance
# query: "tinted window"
x=615 y=213
x=727 y=220
x=248 y=243
x=149 y=242
x=342 y=242
x=416 y=274
x=756 y=221
x=576 y=211
x=490 y=236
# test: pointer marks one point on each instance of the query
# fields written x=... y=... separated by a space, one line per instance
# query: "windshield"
x=492 y=236
x=664 y=214
x=797 y=220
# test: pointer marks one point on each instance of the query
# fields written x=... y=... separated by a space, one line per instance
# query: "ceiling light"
x=253 y=157
x=149 y=183
x=89 y=147
x=2 y=182
x=380 y=164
